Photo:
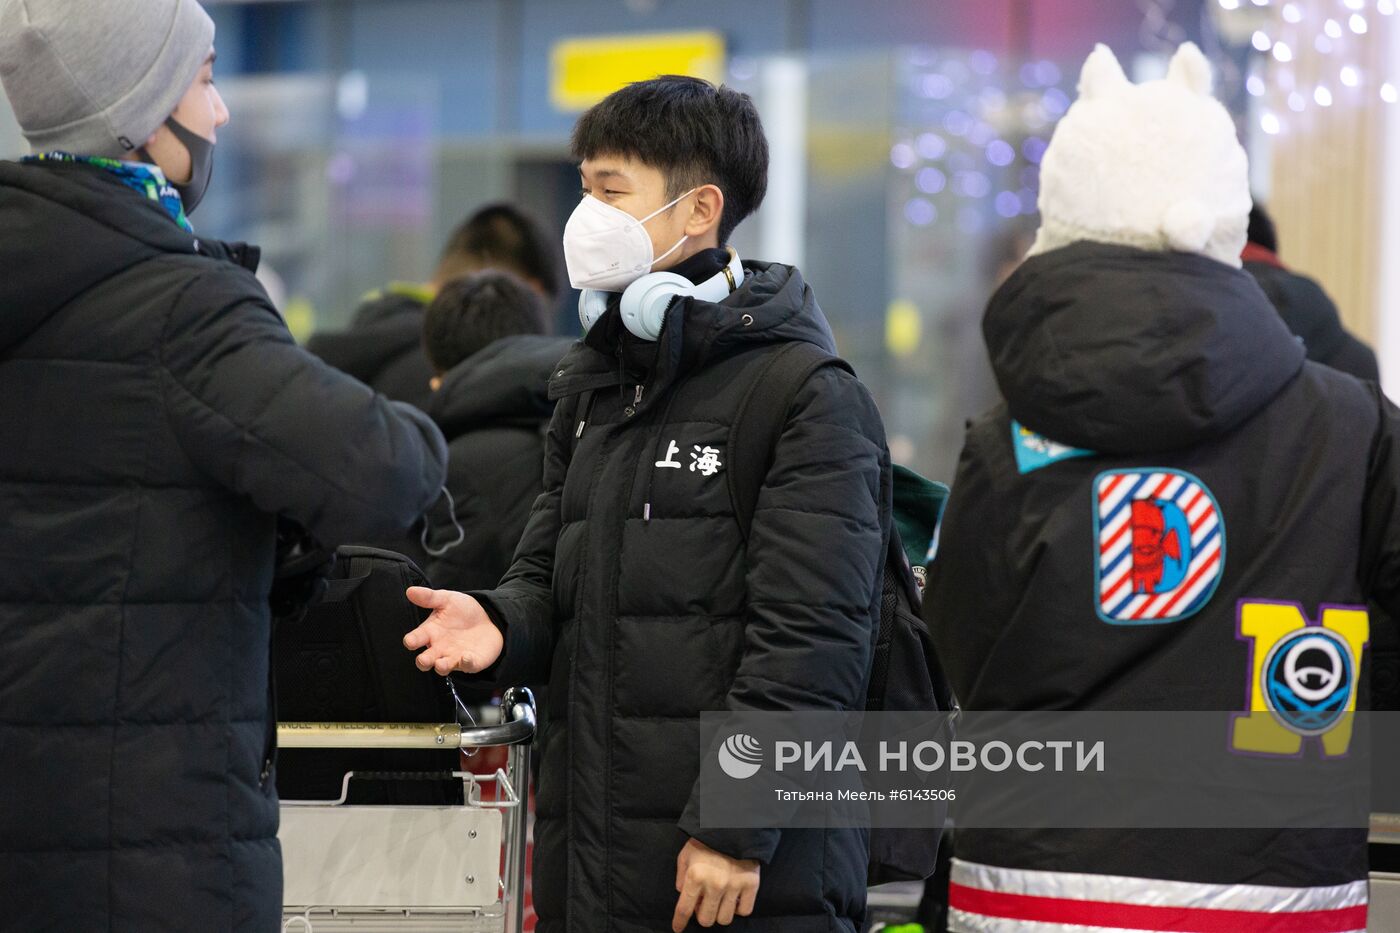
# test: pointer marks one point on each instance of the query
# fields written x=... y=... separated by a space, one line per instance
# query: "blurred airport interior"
x=905 y=134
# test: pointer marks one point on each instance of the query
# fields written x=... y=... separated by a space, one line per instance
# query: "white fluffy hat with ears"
x=1154 y=165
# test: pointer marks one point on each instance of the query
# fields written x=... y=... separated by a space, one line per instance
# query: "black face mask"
x=201 y=165
x=201 y=153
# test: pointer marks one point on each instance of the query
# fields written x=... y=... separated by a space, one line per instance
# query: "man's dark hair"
x=692 y=132
x=501 y=236
x=1261 y=229
x=471 y=312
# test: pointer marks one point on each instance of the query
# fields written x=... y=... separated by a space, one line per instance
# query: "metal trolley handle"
x=517 y=729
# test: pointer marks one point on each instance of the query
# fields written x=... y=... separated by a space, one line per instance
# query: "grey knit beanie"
x=98 y=77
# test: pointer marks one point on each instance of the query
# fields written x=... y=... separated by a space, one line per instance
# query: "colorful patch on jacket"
x=1034 y=451
x=1160 y=545
x=1302 y=677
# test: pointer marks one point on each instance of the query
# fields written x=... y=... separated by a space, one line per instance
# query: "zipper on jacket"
x=631 y=410
x=607 y=444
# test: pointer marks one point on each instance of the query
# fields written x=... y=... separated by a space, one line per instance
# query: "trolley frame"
x=516 y=731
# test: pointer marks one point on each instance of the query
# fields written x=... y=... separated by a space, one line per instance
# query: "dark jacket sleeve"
x=269 y=421
x=522 y=607
x=478 y=562
x=962 y=605
x=815 y=563
x=1380 y=520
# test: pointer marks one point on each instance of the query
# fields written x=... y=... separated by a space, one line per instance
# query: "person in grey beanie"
x=114 y=80
x=159 y=425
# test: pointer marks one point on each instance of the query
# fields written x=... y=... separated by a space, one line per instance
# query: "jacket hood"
x=504 y=384
x=395 y=303
x=1121 y=350
x=772 y=306
x=393 y=329
x=64 y=228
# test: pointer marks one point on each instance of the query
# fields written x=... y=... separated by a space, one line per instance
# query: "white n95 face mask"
x=607 y=249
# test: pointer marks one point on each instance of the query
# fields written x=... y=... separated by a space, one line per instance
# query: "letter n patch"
x=1159 y=541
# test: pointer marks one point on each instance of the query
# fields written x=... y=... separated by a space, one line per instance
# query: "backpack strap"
x=762 y=415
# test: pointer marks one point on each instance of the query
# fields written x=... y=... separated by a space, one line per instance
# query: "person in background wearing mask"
x=383 y=346
x=1170 y=492
x=157 y=420
x=1303 y=305
x=634 y=593
x=484 y=339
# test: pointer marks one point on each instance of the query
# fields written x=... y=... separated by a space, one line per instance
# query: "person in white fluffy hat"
x=1156 y=165
x=1156 y=406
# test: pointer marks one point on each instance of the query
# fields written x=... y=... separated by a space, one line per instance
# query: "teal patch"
x=1035 y=451
x=918 y=510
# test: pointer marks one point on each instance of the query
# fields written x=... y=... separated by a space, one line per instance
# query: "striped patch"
x=1159 y=545
x=991 y=899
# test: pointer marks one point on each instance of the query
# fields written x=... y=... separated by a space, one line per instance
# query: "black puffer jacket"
x=156 y=417
x=1311 y=316
x=493 y=409
x=1165 y=458
x=633 y=593
x=383 y=346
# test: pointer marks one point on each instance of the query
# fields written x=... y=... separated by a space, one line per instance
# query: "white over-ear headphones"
x=646 y=301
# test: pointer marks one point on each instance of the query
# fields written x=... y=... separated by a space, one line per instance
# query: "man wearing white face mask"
x=636 y=593
x=607 y=247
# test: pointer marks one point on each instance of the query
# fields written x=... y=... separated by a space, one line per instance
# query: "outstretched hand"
x=458 y=636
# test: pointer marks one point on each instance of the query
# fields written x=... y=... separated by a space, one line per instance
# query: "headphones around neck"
x=646 y=301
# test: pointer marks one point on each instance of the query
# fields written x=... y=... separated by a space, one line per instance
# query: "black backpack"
x=905 y=671
x=343 y=660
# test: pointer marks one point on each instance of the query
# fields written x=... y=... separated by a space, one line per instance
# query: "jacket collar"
x=1253 y=252
x=772 y=306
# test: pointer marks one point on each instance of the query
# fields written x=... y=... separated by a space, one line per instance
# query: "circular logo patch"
x=1308 y=680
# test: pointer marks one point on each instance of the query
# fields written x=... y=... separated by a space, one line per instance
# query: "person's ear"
x=435 y=383
x=706 y=212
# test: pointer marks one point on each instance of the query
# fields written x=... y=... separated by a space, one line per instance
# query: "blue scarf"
x=146 y=180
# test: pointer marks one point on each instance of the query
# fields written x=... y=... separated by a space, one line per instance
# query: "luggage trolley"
x=411 y=868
